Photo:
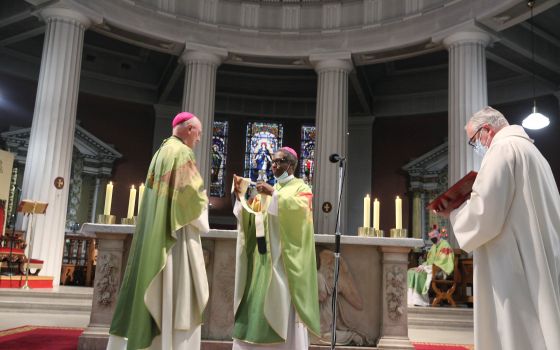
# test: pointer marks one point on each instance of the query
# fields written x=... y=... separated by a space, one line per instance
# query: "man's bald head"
x=189 y=131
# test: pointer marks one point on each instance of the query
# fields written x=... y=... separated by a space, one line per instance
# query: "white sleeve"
x=237 y=208
x=273 y=206
x=481 y=218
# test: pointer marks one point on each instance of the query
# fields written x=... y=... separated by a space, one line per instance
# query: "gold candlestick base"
x=128 y=221
x=369 y=232
x=398 y=233
x=106 y=219
x=363 y=231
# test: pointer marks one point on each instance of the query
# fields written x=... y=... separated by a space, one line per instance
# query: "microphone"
x=335 y=158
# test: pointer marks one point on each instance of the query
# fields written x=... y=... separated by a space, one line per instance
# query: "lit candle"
x=376 y=214
x=131 y=202
x=108 y=198
x=367 y=206
x=140 y=195
x=398 y=213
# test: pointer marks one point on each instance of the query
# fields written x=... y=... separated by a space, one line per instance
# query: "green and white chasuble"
x=269 y=286
x=419 y=278
x=165 y=290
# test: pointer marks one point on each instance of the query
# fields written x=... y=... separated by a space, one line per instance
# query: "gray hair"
x=488 y=115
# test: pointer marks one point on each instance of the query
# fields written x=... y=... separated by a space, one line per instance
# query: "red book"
x=456 y=194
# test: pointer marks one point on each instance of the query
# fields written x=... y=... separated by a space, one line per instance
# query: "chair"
x=444 y=288
x=465 y=288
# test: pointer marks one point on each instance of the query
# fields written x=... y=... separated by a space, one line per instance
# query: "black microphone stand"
x=341 y=173
x=10 y=271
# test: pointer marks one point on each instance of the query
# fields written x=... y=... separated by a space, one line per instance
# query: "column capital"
x=466 y=37
x=332 y=61
x=68 y=14
x=202 y=53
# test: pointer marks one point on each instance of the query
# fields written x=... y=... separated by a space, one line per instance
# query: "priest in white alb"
x=512 y=223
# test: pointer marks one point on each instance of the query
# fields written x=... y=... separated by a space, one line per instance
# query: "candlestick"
x=367 y=206
x=398 y=213
x=131 y=202
x=108 y=198
x=140 y=195
x=376 y=214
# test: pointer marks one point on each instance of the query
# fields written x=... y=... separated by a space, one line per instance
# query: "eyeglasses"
x=472 y=141
x=279 y=160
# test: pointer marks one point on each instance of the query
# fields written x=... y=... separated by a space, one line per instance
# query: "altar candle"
x=367 y=206
x=131 y=202
x=376 y=214
x=140 y=195
x=398 y=213
x=108 y=198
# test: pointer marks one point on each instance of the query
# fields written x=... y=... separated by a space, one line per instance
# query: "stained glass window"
x=262 y=139
x=307 y=154
x=219 y=153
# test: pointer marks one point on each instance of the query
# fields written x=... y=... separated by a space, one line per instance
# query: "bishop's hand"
x=264 y=188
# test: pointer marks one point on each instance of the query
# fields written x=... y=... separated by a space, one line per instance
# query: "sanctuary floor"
x=71 y=306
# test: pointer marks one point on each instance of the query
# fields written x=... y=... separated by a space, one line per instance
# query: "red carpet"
x=58 y=338
x=432 y=346
x=40 y=338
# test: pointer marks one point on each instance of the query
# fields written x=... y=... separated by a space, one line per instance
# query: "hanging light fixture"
x=535 y=120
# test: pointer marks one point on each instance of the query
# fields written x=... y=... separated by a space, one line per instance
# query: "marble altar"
x=372 y=286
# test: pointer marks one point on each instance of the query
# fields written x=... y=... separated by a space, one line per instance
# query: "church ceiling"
x=142 y=72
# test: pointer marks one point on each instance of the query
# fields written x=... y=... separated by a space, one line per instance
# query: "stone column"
x=394 y=322
x=359 y=170
x=417 y=214
x=51 y=141
x=467 y=95
x=199 y=96
x=95 y=198
x=332 y=137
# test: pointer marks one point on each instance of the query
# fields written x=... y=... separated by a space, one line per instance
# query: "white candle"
x=367 y=206
x=376 y=214
x=140 y=195
x=131 y=202
x=108 y=198
x=398 y=213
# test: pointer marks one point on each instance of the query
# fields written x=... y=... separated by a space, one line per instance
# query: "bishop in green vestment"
x=164 y=290
x=419 y=278
x=276 y=297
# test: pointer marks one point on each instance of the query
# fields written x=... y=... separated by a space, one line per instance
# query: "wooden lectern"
x=31 y=208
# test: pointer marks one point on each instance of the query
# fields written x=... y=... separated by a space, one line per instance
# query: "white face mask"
x=282 y=177
x=479 y=148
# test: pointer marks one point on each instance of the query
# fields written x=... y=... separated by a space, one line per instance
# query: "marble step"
x=440 y=317
x=226 y=345
x=67 y=300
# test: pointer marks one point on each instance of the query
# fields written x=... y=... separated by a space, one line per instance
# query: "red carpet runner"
x=432 y=346
x=40 y=338
x=57 y=338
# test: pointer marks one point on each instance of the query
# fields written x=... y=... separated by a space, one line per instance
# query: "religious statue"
x=348 y=297
x=262 y=162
